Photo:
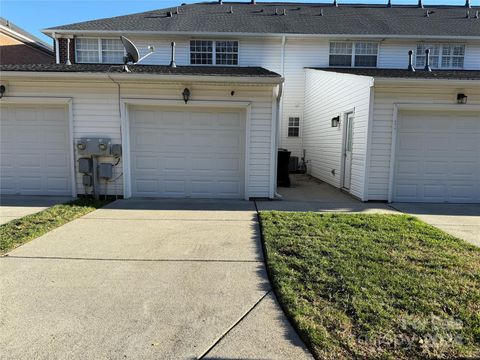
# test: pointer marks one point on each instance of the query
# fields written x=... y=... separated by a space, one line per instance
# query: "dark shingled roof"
x=233 y=71
x=299 y=19
x=403 y=73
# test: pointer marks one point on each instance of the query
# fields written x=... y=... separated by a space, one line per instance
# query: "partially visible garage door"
x=34 y=155
x=438 y=157
x=194 y=153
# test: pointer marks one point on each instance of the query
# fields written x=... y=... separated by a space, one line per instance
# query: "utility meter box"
x=85 y=165
x=105 y=171
x=87 y=180
x=94 y=146
x=116 y=150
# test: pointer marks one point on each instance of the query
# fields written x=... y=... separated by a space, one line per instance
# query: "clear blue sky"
x=34 y=15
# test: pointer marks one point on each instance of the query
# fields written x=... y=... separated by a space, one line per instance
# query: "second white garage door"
x=195 y=153
x=438 y=157
x=34 y=151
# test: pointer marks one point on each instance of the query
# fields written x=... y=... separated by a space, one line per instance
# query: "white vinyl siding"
x=95 y=114
x=94 y=50
x=328 y=95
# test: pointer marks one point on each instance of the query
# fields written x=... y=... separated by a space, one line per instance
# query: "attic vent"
x=467 y=4
x=476 y=14
x=169 y=14
x=427 y=13
x=253 y=2
x=220 y=2
x=468 y=14
x=389 y=4
x=284 y=12
x=231 y=9
x=335 y=3
x=420 y=4
x=321 y=12
x=276 y=11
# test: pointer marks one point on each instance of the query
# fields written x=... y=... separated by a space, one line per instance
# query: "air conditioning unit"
x=293 y=165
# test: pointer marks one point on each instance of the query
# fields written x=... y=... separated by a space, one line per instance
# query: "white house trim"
x=416 y=106
x=68 y=101
x=125 y=131
x=369 y=140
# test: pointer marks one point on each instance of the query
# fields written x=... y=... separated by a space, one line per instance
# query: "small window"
x=358 y=54
x=90 y=50
x=87 y=50
x=442 y=56
x=201 y=52
x=341 y=54
x=366 y=54
x=226 y=52
x=112 y=51
x=294 y=127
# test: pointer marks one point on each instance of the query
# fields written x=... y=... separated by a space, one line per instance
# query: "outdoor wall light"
x=336 y=121
x=2 y=90
x=186 y=95
x=462 y=98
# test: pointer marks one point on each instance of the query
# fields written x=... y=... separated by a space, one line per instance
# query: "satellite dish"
x=133 y=56
x=132 y=51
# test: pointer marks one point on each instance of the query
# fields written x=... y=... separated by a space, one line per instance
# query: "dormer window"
x=442 y=56
x=93 y=50
x=353 y=53
x=209 y=52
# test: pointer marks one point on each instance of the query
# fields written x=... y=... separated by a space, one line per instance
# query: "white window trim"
x=99 y=50
x=440 y=52
x=353 y=53
x=214 y=52
x=299 y=126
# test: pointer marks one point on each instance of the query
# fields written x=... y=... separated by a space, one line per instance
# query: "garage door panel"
x=198 y=153
x=440 y=160
x=34 y=157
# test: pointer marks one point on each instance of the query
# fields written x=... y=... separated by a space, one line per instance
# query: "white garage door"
x=177 y=153
x=438 y=157
x=34 y=156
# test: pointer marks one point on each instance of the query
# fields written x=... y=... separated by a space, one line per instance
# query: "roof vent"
x=284 y=12
x=468 y=14
x=335 y=3
x=172 y=62
x=253 y=2
x=427 y=61
x=321 y=12
x=177 y=11
x=276 y=11
x=476 y=14
x=420 y=4
x=427 y=13
x=389 y=4
x=410 y=61
x=231 y=9
x=220 y=2
x=467 y=4
x=169 y=14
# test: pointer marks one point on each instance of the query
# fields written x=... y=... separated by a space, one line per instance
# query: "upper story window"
x=293 y=126
x=90 y=50
x=349 y=53
x=358 y=54
x=209 y=52
x=442 y=56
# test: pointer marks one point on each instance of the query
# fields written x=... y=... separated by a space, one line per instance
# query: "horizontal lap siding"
x=385 y=98
x=96 y=114
x=328 y=95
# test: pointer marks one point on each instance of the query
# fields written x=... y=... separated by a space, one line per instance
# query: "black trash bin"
x=283 y=178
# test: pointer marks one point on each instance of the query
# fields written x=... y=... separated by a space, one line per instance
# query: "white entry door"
x=438 y=157
x=187 y=153
x=34 y=150
x=347 y=151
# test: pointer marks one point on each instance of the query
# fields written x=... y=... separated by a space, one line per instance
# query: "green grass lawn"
x=18 y=232
x=375 y=286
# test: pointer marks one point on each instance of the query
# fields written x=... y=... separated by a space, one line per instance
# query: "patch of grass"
x=375 y=286
x=18 y=232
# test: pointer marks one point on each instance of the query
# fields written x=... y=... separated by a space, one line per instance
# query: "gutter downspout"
x=57 y=50
x=279 y=114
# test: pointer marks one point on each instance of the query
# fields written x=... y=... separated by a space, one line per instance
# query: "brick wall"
x=63 y=50
x=13 y=51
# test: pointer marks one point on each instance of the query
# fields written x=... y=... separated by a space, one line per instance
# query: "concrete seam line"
x=165 y=219
x=233 y=326
x=7 y=256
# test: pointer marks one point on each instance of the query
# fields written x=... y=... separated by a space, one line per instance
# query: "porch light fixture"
x=2 y=90
x=462 y=98
x=186 y=95
x=335 y=121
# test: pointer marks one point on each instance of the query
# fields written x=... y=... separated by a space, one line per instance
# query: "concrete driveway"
x=460 y=220
x=14 y=207
x=145 y=280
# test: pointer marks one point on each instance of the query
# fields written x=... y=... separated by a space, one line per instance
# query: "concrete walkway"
x=460 y=220
x=14 y=207
x=145 y=280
